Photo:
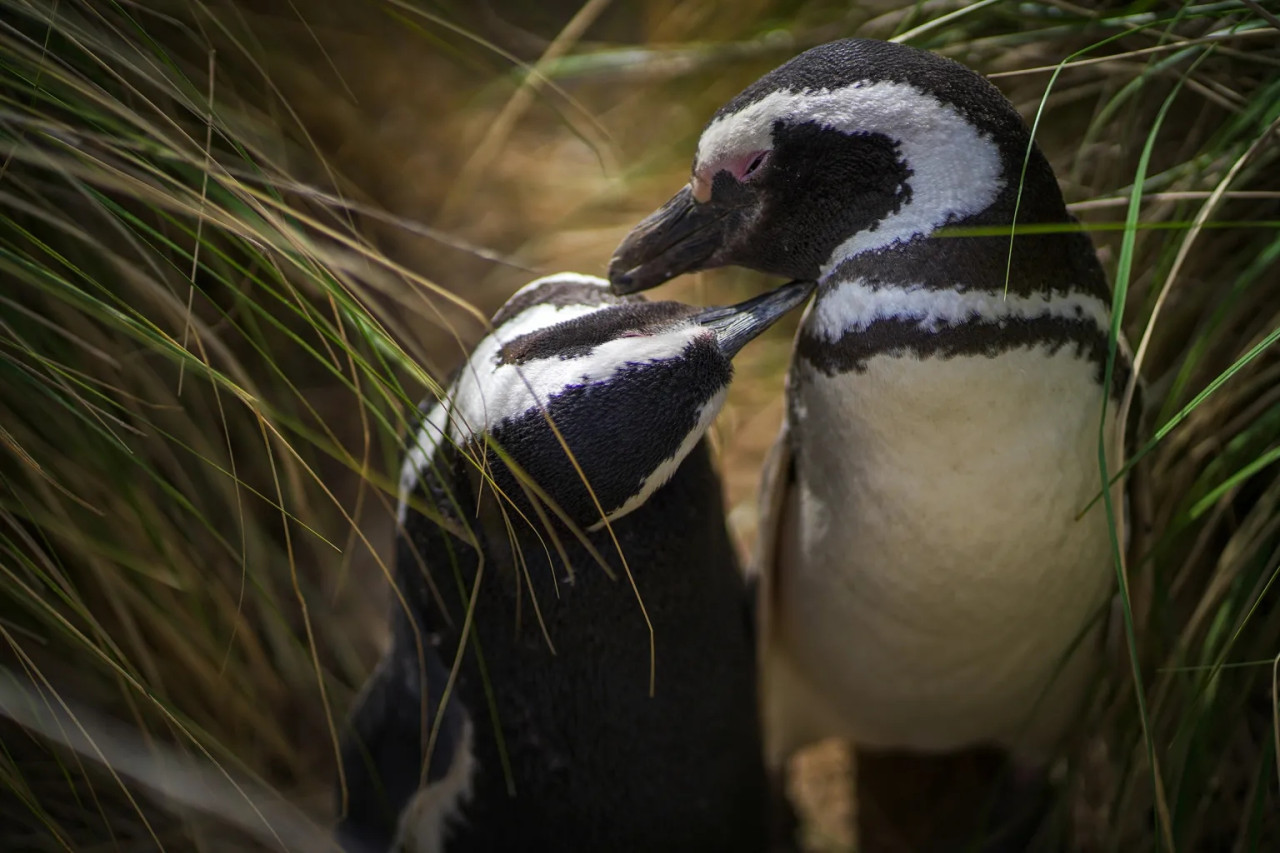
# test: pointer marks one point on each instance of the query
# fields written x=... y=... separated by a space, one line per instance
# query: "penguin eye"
x=633 y=333
x=754 y=164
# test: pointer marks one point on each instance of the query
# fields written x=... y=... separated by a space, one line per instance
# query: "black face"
x=618 y=432
x=819 y=187
x=622 y=410
x=786 y=212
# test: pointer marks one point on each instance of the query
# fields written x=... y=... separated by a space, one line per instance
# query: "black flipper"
x=383 y=745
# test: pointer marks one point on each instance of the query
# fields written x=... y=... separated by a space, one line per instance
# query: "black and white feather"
x=929 y=580
x=580 y=349
x=550 y=738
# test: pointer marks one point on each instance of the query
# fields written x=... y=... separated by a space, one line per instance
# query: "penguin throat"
x=852 y=322
x=668 y=467
x=857 y=305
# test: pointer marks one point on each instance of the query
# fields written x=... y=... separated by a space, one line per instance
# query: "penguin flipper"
x=384 y=744
x=762 y=572
x=778 y=476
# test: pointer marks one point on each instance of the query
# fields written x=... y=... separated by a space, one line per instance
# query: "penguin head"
x=597 y=398
x=850 y=148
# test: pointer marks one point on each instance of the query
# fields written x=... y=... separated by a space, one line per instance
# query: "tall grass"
x=202 y=393
x=220 y=232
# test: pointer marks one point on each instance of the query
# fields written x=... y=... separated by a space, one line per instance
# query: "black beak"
x=735 y=325
x=679 y=237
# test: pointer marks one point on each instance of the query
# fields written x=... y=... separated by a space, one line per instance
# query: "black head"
x=849 y=148
x=630 y=386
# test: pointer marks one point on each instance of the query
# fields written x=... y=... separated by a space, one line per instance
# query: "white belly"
x=932 y=574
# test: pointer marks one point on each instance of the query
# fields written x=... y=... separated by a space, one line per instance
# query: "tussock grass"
x=221 y=232
x=203 y=392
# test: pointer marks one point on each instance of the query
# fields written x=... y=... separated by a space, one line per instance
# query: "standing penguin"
x=929 y=584
x=606 y=695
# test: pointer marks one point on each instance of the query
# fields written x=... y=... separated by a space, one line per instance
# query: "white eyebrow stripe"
x=561 y=277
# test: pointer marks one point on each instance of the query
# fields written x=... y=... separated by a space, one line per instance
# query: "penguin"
x=932 y=588
x=563 y=541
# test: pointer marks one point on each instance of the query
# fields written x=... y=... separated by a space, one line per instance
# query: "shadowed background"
x=240 y=240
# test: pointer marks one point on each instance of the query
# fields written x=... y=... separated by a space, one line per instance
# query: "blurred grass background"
x=239 y=240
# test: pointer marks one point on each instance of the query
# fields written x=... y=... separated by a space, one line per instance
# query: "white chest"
x=933 y=574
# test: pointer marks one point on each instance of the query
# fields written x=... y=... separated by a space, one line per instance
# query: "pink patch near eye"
x=633 y=334
x=747 y=165
x=744 y=168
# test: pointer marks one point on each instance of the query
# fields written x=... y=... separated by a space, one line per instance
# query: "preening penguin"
x=929 y=583
x=551 y=737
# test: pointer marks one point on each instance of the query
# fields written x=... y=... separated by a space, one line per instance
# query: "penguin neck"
x=975 y=245
x=982 y=249
x=594 y=688
x=954 y=292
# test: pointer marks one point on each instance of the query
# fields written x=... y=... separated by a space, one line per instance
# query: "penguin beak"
x=735 y=325
x=679 y=237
